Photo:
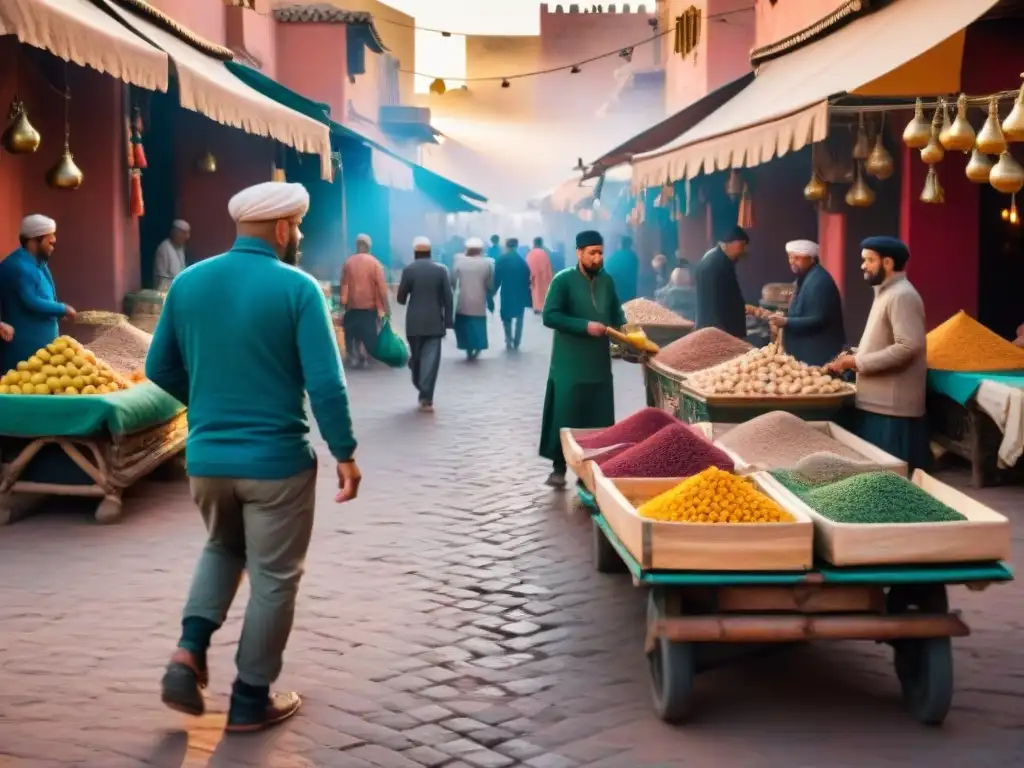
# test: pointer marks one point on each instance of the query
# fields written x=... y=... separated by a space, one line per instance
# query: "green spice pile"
x=873 y=497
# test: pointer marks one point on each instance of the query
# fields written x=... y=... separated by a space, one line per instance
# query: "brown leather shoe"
x=244 y=717
x=184 y=679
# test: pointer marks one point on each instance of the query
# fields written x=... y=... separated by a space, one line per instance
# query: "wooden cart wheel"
x=925 y=670
x=672 y=669
x=606 y=559
x=109 y=510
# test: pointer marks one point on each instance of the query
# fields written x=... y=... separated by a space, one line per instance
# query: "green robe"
x=580 y=393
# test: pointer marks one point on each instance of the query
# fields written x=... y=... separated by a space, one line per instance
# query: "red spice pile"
x=633 y=429
x=673 y=451
x=701 y=349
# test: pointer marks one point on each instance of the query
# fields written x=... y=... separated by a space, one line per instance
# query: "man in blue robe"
x=28 y=294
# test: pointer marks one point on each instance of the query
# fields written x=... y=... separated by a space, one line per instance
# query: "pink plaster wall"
x=255 y=33
x=777 y=19
x=207 y=18
x=311 y=59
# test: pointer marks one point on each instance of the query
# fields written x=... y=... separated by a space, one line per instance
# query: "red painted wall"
x=312 y=61
x=206 y=19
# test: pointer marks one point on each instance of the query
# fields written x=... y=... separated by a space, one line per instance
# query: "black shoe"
x=248 y=717
x=181 y=687
x=556 y=480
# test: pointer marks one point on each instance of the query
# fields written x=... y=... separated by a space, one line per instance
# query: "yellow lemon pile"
x=714 y=496
x=64 y=367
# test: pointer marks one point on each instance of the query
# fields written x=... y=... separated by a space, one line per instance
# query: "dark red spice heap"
x=633 y=429
x=673 y=451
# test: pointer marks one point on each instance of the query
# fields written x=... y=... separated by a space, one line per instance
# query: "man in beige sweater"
x=891 y=362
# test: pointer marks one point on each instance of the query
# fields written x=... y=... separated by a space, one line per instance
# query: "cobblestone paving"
x=450 y=617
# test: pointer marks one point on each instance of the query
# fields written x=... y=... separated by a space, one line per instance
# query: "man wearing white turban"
x=170 y=255
x=814 y=332
x=28 y=294
x=243 y=337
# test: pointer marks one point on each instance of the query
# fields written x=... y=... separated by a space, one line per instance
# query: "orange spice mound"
x=963 y=344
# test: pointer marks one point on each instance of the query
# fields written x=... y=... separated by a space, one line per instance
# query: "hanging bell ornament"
x=20 y=137
x=816 y=189
x=960 y=136
x=65 y=174
x=990 y=138
x=932 y=192
x=734 y=185
x=944 y=125
x=879 y=163
x=979 y=167
x=1013 y=125
x=206 y=163
x=860 y=194
x=1007 y=176
x=861 y=147
x=933 y=151
x=918 y=131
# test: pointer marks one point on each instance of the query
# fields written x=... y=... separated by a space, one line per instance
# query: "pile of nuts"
x=766 y=372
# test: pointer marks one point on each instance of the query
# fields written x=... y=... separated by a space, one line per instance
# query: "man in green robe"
x=581 y=303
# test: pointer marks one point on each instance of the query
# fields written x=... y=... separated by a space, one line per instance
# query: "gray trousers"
x=261 y=527
x=424 y=363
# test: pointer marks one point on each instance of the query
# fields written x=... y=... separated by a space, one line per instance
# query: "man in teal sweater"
x=242 y=338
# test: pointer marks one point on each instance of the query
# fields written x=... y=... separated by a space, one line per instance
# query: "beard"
x=292 y=255
x=874 y=278
x=593 y=269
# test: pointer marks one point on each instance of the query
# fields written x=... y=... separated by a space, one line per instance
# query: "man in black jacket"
x=719 y=298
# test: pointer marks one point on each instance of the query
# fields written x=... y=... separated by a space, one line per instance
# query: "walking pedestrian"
x=473 y=281
x=512 y=282
x=541 y=273
x=580 y=306
x=242 y=360
x=426 y=288
x=364 y=296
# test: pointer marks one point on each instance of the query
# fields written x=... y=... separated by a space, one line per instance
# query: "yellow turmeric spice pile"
x=963 y=344
x=714 y=496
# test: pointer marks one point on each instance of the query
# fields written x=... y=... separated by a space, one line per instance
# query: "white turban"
x=365 y=240
x=181 y=225
x=37 y=225
x=474 y=243
x=269 y=201
x=421 y=244
x=802 y=248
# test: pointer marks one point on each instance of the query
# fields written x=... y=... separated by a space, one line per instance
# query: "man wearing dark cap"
x=580 y=305
x=891 y=362
x=719 y=298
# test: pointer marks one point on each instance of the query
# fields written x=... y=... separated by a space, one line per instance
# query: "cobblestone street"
x=450 y=617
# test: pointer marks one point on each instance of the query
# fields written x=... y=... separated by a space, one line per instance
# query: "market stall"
x=71 y=424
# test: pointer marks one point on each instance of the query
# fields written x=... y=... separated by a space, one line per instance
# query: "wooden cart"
x=106 y=465
x=698 y=619
x=970 y=433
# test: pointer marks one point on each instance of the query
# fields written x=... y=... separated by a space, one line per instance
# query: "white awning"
x=79 y=32
x=206 y=86
x=786 y=106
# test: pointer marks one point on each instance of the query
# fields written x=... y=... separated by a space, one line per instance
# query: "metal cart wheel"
x=672 y=668
x=925 y=670
x=606 y=559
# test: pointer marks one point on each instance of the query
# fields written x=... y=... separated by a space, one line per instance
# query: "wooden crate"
x=984 y=536
x=660 y=545
x=581 y=461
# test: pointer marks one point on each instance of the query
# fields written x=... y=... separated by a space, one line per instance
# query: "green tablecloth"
x=961 y=385
x=142 y=406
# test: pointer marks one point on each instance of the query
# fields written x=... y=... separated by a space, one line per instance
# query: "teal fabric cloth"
x=241 y=339
x=142 y=406
x=961 y=385
x=29 y=300
x=905 y=438
x=471 y=332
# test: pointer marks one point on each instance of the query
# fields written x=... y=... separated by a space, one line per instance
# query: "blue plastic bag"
x=391 y=350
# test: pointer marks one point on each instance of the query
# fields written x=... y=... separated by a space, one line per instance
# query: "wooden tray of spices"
x=668 y=546
x=983 y=537
x=580 y=460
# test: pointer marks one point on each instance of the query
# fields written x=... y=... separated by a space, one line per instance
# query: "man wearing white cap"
x=28 y=294
x=473 y=283
x=242 y=339
x=170 y=255
x=426 y=289
x=813 y=326
x=364 y=295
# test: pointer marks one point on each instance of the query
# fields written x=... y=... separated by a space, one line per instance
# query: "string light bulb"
x=506 y=84
x=438 y=86
x=627 y=54
x=575 y=70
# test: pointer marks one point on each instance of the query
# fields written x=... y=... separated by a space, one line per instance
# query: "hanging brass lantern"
x=816 y=189
x=1013 y=125
x=933 y=151
x=20 y=137
x=960 y=136
x=990 y=138
x=65 y=174
x=1007 y=176
x=206 y=163
x=942 y=116
x=879 y=163
x=861 y=146
x=919 y=130
x=860 y=195
x=979 y=167
x=932 y=193
x=734 y=185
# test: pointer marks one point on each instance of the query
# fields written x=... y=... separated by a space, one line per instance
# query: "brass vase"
x=20 y=137
x=861 y=145
x=1007 y=176
x=860 y=195
x=879 y=163
x=1013 y=125
x=918 y=130
x=932 y=192
x=816 y=189
x=960 y=136
x=65 y=174
x=990 y=139
x=979 y=167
